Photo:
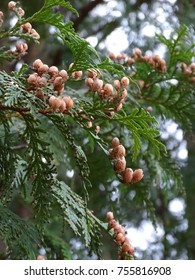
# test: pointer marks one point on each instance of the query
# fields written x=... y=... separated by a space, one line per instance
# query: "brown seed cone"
x=63 y=73
x=43 y=69
x=97 y=129
x=11 y=5
x=40 y=94
x=89 y=82
x=138 y=174
x=124 y=82
x=77 y=75
x=27 y=27
x=119 y=229
x=41 y=82
x=53 y=71
x=51 y=100
x=55 y=103
x=120 y=238
x=119 y=165
x=69 y=102
x=112 y=55
x=108 y=90
x=62 y=107
x=32 y=79
x=127 y=176
x=109 y=216
x=117 y=85
x=126 y=247
x=58 y=81
x=40 y=257
x=112 y=223
x=97 y=85
x=118 y=152
x=37 y=63
x=116 y=227
x=123 y=94
x=115 y=142
x=131 y=250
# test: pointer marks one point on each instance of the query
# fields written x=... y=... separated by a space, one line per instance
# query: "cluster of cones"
x=126 y=250
x=117 y=154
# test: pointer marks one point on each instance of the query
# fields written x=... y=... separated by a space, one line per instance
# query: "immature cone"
x=41 y=82
x=43 y=69
x=97 y=129
x=54 y=103
x=11 y=5
x=77 y=75
x=37 y=64
x=120 y=238
x=137 y=52
x=35 y=34
x=20 y=12
x=119 y=165
x=112 y=55
x=40 y=257
x=21 y=47
x=32 y=79
x=51 y=100
x=89 y=82
x=62 y=107
x=123 y=94
x=124 y=82
x=53 y=71
x=89 y=124
x=69 y=102
x=27 y=27
x=127 y=176
x=125 y=248
x=97 y=85
x=112 y=223
x=115 y=142
x=108 y=90
x=118 y=152
x=138 y=174
x=40 y=94
x=109 y=216
x=63 y=74
x=117 y=84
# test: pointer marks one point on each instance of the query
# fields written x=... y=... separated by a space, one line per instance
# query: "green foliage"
x=79 y=218
x=112 y=68
x=139 y=123
x=45 y=14
x=181 y=40
x=39 y=145
x=20 y=236
x=78 y=153
x=58 y=248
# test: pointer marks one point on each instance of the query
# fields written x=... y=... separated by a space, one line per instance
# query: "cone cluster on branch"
x=13 y=6
x=154 y=61
x=115 y=93
x=27 y=28
x=21 y=47
x=126 y=250
x=117 y=154
x=189 y=71
x=45 y=75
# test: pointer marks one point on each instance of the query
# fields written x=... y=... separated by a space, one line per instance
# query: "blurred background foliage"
x=102 y=22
